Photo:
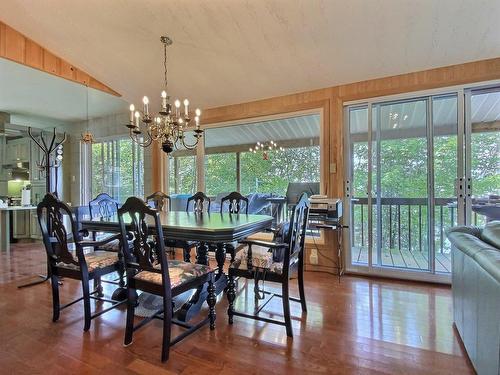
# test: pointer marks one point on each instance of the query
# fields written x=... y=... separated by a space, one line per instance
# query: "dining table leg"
x=202 y=254
x=194 y=304
x=220 y=257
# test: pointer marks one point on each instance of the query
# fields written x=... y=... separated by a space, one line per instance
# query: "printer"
x=329 y=208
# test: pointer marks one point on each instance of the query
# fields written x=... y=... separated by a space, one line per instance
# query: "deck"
x=404 y=258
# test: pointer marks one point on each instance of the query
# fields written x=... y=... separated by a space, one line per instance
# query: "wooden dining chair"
x=199 y=202
x=77 y=264
x=103 y=206
x=266 y=267
x=234 y=203
x=148 y=270
x=160 y=201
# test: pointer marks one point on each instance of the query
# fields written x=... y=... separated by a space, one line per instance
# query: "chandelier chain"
x=165 y=65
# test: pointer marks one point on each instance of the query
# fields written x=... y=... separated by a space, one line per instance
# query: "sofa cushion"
x=491 y=233
x=489 y=260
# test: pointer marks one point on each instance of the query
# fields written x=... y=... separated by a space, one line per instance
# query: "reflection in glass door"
x=403 y=167
x=483 y=156
x=402 y=184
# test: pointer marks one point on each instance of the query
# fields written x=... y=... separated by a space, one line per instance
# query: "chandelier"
x=168 y=127
x=87 y=137
x=266 y=148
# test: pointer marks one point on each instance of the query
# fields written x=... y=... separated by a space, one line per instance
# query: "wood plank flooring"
x=357 y=326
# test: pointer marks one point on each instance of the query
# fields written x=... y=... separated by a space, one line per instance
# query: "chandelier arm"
x=134 y=138
x=190 y=146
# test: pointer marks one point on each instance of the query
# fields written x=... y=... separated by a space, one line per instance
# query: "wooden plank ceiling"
x=17 y=47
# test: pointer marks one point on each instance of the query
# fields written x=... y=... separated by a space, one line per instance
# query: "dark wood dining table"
x=206 y=228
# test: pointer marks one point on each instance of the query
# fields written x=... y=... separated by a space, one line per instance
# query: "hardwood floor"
x=357 y=326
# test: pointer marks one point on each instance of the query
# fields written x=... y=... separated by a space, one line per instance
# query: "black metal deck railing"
x=404 y=222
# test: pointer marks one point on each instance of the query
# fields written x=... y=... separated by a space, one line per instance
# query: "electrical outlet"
x=313 y=257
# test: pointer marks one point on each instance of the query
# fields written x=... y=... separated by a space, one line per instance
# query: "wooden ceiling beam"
x=17 y=47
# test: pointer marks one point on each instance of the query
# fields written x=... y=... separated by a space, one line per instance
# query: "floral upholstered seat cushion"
x=261 y=258
x=94 y=260
x=180 y=272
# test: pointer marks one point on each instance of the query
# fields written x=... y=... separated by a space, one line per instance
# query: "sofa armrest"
x=473 y=231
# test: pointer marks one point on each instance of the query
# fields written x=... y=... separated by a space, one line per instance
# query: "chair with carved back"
x=159 y=201
x=276 y=263
x=197 y=203
x=78 y=264
x=148 y=270
x=162 y=202
x=234 y=203
x=103 y=206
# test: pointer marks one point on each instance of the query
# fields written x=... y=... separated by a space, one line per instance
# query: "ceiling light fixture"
x=168 y=127
x=87 y=137
x=266 y=148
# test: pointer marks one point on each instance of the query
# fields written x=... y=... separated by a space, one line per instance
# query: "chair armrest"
x=101 y=242
x=271 y=245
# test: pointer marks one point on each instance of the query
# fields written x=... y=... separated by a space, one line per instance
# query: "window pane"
x=117 y=169
x=220 y=173
x=182 y=174
x=282 y=151
x=298 y=164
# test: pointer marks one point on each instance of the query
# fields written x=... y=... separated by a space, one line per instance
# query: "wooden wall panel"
x=33 y=55
x=16 y=47
x=51 y=64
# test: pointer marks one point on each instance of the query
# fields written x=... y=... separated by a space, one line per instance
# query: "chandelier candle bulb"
x=132 y=110
x=137 y=116
x=186 y=106
x=145 y=100
x=164 y=100
x=177 y=106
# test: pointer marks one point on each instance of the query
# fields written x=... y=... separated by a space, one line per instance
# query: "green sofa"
x=476 y=293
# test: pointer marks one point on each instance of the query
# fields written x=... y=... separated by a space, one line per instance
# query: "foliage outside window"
x=301 y=164
x=220 y=173
x=182 y=174
x=229 y=165
x=117 y=169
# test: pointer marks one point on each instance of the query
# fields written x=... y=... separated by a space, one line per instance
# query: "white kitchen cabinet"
x=35 y=231
x=18 y=150
x=21 y=224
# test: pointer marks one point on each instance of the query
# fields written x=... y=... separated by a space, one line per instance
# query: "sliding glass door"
x=482 y=155
x=402 y=172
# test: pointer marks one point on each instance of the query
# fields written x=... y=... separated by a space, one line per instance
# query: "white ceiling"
x=231 y=51
x=31 y=92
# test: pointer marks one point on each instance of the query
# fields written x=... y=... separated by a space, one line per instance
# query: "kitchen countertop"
x=17 y=208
